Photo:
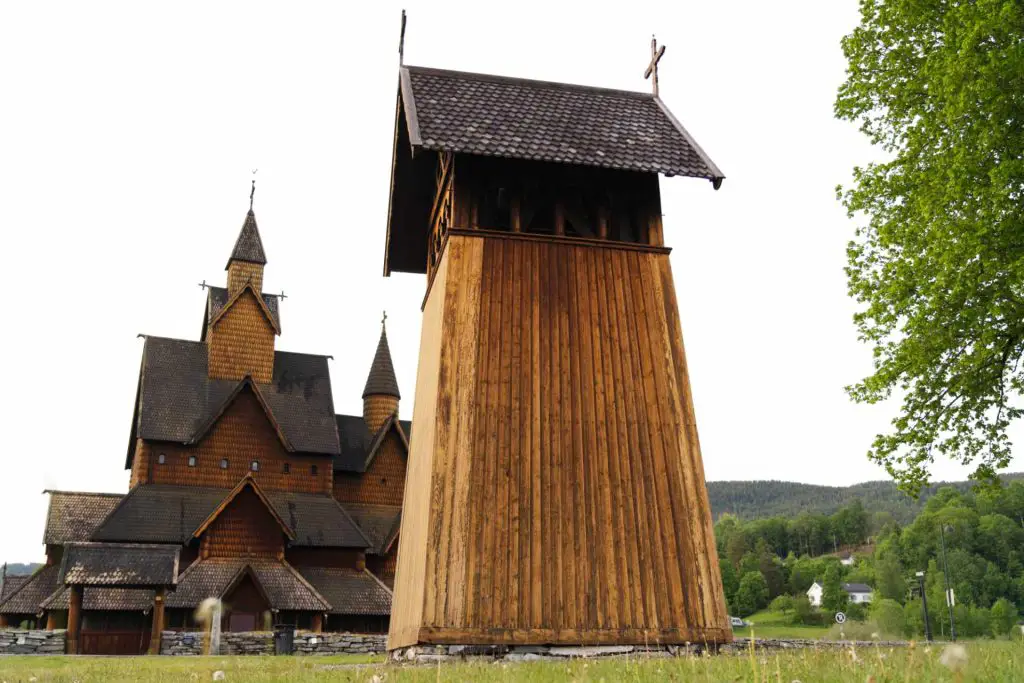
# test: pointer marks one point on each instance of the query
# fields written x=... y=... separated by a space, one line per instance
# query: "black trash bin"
x=284 y=639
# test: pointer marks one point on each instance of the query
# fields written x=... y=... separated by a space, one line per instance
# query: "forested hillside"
x=759 y=499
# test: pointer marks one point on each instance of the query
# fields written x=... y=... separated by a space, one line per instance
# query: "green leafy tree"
x=891 y=583
x=1004 y=617
x=833 y=597
x=752 y=594
x=913 y=620
x=937 y=264
x=781 y=604
x=729 y=581
x=888 y=617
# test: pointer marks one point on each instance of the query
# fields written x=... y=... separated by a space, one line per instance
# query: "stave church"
x=552 y=493
x=244 y=485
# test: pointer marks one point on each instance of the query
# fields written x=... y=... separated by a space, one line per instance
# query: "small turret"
x=380 y=395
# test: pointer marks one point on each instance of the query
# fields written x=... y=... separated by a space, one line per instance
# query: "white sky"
x=128 y=133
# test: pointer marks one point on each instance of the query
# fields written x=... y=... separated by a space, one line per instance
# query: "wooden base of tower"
x=557 y=491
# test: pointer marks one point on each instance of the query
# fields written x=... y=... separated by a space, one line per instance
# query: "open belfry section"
x=244 y=485
x=556 y=488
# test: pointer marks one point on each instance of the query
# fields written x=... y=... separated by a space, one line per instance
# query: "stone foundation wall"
x=37 y=642
x=426 y=654
x=262 y=643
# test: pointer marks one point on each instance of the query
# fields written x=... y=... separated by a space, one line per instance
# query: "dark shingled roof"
x=356 y=442
x=73 y=516
x=248 y=246
x=104 y=599
x=378 y=522
x=119 y=564
x=158 y=513
x=176 y=398
x=217 y=298
x=284 y=587
x=382 y=381
x=856 y=588
x=517 y=118
x=36 y=589
x=350 y=591
x=12 y=583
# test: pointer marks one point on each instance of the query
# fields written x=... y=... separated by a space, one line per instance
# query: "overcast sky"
x=129 y=133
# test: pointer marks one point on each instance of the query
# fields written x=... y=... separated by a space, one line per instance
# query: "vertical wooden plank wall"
x=565 y=501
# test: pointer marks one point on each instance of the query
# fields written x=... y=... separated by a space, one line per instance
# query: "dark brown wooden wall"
x=566 y=498
x=245 y=528
x=243 y=434
x=383 y=483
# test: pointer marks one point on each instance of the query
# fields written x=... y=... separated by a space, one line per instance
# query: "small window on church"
x=287 y=468
x=191 y=461
x=312 y=470
x=223 y=463
x=255 y=465
x=161 y=459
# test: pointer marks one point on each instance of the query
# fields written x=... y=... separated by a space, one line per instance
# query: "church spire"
x=248 y=246
x=380 y=395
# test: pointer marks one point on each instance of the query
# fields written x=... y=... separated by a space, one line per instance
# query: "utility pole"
x=949 y=591
x=924 y=608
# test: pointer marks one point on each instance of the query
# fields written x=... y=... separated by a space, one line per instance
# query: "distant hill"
x=757 y=499
x=22 y=568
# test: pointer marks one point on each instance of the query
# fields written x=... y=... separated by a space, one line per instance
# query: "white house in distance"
x=858 y=592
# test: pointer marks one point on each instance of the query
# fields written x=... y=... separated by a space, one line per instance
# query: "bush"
x=855 y=612
x=804 y=613
x=887 y=615
x=1004 y=617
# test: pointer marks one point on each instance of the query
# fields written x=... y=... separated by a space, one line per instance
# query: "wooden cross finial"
x=401 y=42
x=652 y=68
x=252 y=193
x=383 y=318
x=283 y=295
x=203 y=285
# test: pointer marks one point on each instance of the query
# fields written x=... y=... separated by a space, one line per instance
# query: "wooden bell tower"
x=555 y=489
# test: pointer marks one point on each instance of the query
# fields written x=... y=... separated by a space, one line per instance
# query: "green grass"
x=985 y=661
x=774 y=625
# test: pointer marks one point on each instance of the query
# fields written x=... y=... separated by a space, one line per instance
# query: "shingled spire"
x=247 y=258
x=380 y=395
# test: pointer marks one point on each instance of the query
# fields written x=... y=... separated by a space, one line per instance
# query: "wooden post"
x=158 y=621
x=318 y=623
x=602 y=223
x=51 y=620
x=559 y=218
x=74 y=619
x=515 y=214
x=3 y=621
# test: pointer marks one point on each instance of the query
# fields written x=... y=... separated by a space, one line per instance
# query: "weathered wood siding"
x=243 y=434
x=245 y=528
x=383 y=483
x=565 y=500
x=241 y=272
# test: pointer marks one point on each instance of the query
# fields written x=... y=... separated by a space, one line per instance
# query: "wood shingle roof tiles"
x=160 y=513
x=177 y=398
x=488 y=115
x=73 y=516
x=381 y=380
x=350 y=591
x=282 y=585
x=249 y=246
x=128 y=565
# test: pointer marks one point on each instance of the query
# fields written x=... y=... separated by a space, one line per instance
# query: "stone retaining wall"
x=262 y=643
x=424 y=654
x=15 y=641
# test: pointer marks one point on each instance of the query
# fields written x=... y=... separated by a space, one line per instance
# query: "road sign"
x=950 y=598
x=840 y=618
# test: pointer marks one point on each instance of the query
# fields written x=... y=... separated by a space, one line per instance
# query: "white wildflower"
x=218 y=675
x=954 y=657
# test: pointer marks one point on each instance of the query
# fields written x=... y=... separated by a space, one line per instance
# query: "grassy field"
x=773 y=625
x=982 y=661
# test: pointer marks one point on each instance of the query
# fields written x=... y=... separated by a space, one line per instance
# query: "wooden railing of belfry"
x=442 y=211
